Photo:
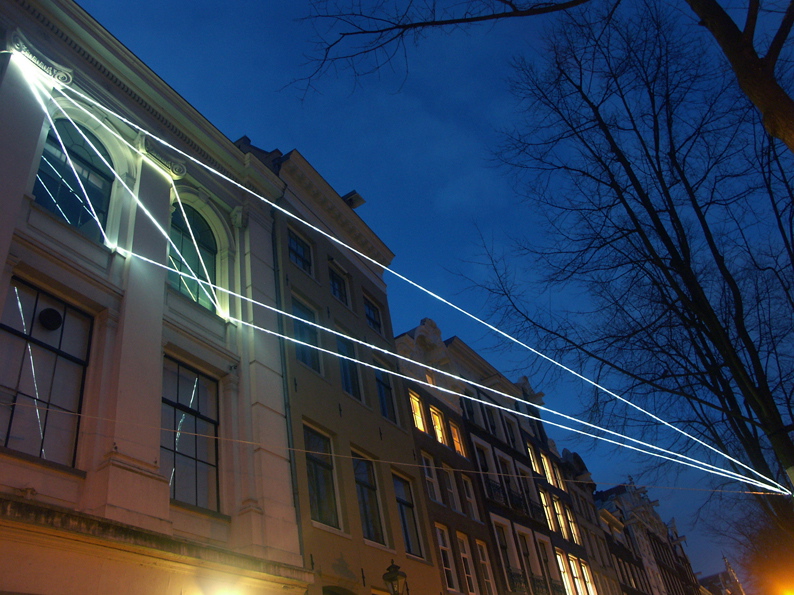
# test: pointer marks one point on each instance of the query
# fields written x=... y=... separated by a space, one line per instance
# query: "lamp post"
x=396 y=580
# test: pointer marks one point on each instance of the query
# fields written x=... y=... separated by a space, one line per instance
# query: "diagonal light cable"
x=665 y=453
x=416 y=285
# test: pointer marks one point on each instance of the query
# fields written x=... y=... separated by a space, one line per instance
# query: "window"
x=501 y=543
x=305 y=334
x=544 y=500
x=320 y=468
x=547 y=468
x=485 y=569
x=457 y=439
x=300 y=253
x=407 y=512
x=558 y=477
x=467 y=565
x=195 y=260
x=437 y=419
x=533 y=459
x=574 y=528
x=372 y=312
x=416 y=410
x=562 y=525
x=562 y=564
x=430 y=377
x=527 y=485
x=576 y=575
x=44 y=347
x=429 y=467
x=510 y=431
x=385 y=394
x=470 y=501
x=76 y=188
x=488 y=416
x=188 y=440
x=348 y=369
x=338 y=285
x=447 y=561
x=367 y=491
x=453 y=500
x=526 y=555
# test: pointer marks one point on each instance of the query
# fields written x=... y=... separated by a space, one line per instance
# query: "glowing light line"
x=416 y=285
x=54 y=201
x=430 y=293
x=69 y=159
x=32 y=373
x=695 y=463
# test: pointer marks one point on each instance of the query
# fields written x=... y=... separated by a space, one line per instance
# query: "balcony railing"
x=539 y=586
x=557 y=588
x=495 y=491
x=517 y=581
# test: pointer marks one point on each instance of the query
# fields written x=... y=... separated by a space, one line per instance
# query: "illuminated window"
x=447 y=560
x=372 y=313
x=485 y=569
x=547 y=471
x=430 y=377
x=407 y=513
x=320 y=469
x=300 y=252
x=533 y=459
x=574 y=527
x=385 y=394
x=78 y=193
x=562 y=564
x=338 y=284
x=195 y=265
x=469 y=499
x=188 y=443
x=457 y=439
x=348 y=369
x=562 y=525
x=467 y=565
x=367 y=491
x=416 y=410
x=437 y=419
x=307 y=334
x=44 y=344
x=544 y=500
x=576 y=575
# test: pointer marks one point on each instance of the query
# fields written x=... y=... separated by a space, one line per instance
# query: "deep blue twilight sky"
x=416 y=147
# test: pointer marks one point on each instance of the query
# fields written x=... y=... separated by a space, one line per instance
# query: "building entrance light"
x=396 y=580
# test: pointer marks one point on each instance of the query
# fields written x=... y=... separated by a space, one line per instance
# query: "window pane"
x=348 y=369
x=320 y=470
x=193 y=259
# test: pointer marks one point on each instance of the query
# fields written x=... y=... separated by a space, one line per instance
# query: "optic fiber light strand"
x=405 y=279
x=681 y=458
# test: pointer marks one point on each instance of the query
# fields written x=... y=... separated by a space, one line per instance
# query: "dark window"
x=76 y=189
x=320 y=468
x=367 y=491
x=338 y=285
x=372 y=313
x=188 y=439
x=348 y=369
x=407 y=512
x=300 y=252
x=307 y=335
x=385 y=395
x=44 y=345
x=195 y=260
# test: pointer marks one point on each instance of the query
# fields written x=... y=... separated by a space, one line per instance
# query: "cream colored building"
x=357 y=482
x=101 y=347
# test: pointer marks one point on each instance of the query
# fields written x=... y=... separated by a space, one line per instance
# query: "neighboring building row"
x=200 y=393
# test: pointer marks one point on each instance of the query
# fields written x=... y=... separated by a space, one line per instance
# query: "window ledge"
x=42 y=462
x=202 y=511
x=330 y=529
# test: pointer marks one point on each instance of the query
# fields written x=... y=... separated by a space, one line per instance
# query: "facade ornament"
x=20 y=44
x=175 y=167
x=239 y=217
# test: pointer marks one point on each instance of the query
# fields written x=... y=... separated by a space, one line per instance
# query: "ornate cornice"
x=19 y=43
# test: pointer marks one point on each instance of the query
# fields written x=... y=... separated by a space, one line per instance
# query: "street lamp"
x=396 y=580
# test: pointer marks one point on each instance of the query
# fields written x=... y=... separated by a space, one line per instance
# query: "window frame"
x=338 y=284
x=349 y=373
x=437 y=423
x=385 y=390
x=204 y=294
x=467 y=565
x=39 y=340
x=457 y=439
x=373 y=314
x=369 y=506
x=296 y=246
x=211 y=443
x=470 y=498
x=446 y=557
x=431 y=477
x=306 y=333
x=451 y=488
x=406 y=510
x=417 y=411
x=313 y=461
x=486 y=568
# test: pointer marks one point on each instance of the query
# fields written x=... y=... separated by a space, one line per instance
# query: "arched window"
x=78 y=193
x=190 y=261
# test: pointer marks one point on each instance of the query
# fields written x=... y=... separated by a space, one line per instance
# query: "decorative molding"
x=20 y=44
x=175 y=167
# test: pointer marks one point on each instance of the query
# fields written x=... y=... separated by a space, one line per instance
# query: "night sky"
x=416 y=144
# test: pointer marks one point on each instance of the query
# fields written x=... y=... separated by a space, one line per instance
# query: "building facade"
x=143 y=428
